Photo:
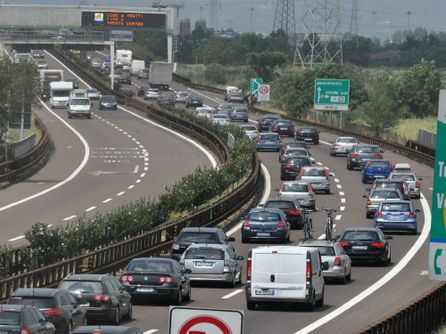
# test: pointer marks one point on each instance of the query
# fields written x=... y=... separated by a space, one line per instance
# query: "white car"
x=250 y=130
x=181 y=96
x=300 y=191
x=152 y=94
x=402 y=168
x=220 y=119
x=204 y=112
x=342 y=145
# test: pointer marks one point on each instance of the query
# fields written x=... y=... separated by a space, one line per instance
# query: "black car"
x=368 y=244
x=157 y=278
x=142 y=90
x=23 y=319
x=166 y=100
x=190 y=235
x=296 y=144
x=266 y=121
x=360 y=154
x=125 y=79
x=57 y=305
x=291 y=209
x=107 y=330
x=290 y=167
x=307 y=133
x=194 y=101
x=103 y=296
x=283 y=127
x=108 y=102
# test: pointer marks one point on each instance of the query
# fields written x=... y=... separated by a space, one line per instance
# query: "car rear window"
x=264 y=216
x=325 y=250
x=299 y=188
x=385 y=194
x=298 y=161
x=37 y=302
x=314 y=172
x=82 y=286
x=395 y=207
x=9 y=318
x=346 y=140
x=272 y=137
x=407 y=177
x=389 y=185
x=149 y=267
x=360 y=235
x=205 y=253
x=367 y=149
x=198 y=237
x=280 y=205
x=307 y=130
x=296 y=150
x=284 y=123
x=249 y=128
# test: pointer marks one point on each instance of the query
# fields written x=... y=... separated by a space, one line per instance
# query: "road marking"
x=232 y=294
x=16 y=238
x=131 y=186
x=146 y=168
x=339 y=186
x=338 y=217
x=142 y=175
x=319 y=163
x=424 y=273
x=70 y=217
x=322 y=237
x=431 y=188
x=91 y=208
x=151 y=331
x=107 y=200
x=120 y=193
x=342 y=208
x=138 y=181
x=383 y=280
x=341 y=193
x=336 y=180
x=324 y=142
x=342 y=200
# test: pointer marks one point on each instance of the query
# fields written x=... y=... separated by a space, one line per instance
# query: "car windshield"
x=149 y=266
x=346 y=140
x=249 y=128
x=264 y=216
x=82 y=286
x=268 y=119
x=367 y=149
x=61 y=93
x=379 y=164
x=398 y=207
x=108 y=98
x=385 y=194
x=198 y=237
x=360 y=235
x=282 y=205
x=314 y=172
x=153 y=91
x=82 y=102
x=9 y=318
x=205 y=253
x=406 y=177
x=271 y=137
x=284 y=123
x=389 y=185
x=295 y=188
x=37 y=302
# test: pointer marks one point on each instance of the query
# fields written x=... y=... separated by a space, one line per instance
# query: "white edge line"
x=70 y=217
x=232 y=294
x=17 y=238
x=151 y=331
x=383 y=280
x=107 y=200
x=90 y=208
x=120 y=193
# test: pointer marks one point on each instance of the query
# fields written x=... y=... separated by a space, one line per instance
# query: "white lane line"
x=91 y=208
x=131 y=186
x=16 y=238
x=321 y=237
x=142 y=175
x=232 y=294
x=342 y=208
x=146 y=168
x=138 y=181
x=342 y=200
x=107 y=200
x=383 y=280
x=70 y=217
x=266 y=193
x=339 y=186
x=318 y=163
x=341 y=193
x=69 y=178
x=324 y=142
x=336 y=180
x=338 y=217
x=151 y=331
x=121 y=193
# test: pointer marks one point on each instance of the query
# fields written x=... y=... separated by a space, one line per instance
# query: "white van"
x=285 y=274
x=79 y=104
x=60 y=93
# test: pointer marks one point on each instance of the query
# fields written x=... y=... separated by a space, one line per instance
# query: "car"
x=96 y=63
x=58 y=306
x=264 y=123
x=228 y=91
x=204 y=112
x=225 y=108
x=268 y=141
x=366 y=244
x=143 y=73
x=402 y=168
x=166 y=100
x=235 y=95
x=194 y=101
x=37 y=53
x=181 y=96
x=294 y=151
x=152 y=94
x=397 y=215
x=291 y=166
x=108 y=102
x=124 y=79
x=360 y=154
x=142 y=90
x=296 y=144
x=300 y=191
x=308 y=134
x=212 y=262
x=283 y=127
x=377 y=196
x=103 y=296
x=24 y=319
x=290 y=207
x=401 y=185
x=75 y=83
x=93 y=94
x=339 y=263
x=107 y=330
x=41 y=64
x=250 y=130
x=220 y=119
x=413 y=182
x=266 y=224
x=190 y=235
x=342 y=145
x=239 y=114
x=317 y=176
x=376 y=169
x=155 y=278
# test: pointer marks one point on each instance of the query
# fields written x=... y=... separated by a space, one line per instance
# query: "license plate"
x=203 y=264
x=396 y=217
x=146 y=290
x=359 y=247
x=84 y=305
x=283 y=128
x=264 y=292
x=262 y=234
x=308 y=139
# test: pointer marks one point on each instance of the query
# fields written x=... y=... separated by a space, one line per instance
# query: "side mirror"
x=364 y=196
x=417 y=210
x=231 y=239
x=389 y=237
x=187 y=271
x=420 y=179
x=325 y=265
x=240 y=258
x=382 y=151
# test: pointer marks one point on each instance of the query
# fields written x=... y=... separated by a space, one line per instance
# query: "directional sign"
x=254 y=84
x=189 y=320
x=264 y=92
x=331 y=94
x=437 y=246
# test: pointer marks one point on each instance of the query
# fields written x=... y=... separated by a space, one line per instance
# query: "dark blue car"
x=268 y=141
x=266 y=224
x=376 y=169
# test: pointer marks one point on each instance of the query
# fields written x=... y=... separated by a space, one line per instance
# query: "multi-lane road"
x=373 y=293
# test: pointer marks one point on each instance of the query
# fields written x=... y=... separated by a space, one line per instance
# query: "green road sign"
x=437 y=246
x=331 y=94
x=254 y=84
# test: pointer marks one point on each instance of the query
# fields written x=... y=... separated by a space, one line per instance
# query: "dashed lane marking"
x=336 y=180
x=131 y=186
x=91 y=208
x=107 y=200
x=16 y=238
x=339 y=186
x=232 y=294
x=338 y=217
x=342 y=208
x=342 y=200
x=120 y=193
x=341 y=193
x=70 y=217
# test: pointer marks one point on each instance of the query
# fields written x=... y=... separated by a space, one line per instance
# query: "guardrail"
x=12 y=169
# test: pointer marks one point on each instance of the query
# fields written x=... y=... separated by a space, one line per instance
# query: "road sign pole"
x=340 y=119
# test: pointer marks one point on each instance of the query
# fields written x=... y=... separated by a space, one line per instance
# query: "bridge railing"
x=33 y=35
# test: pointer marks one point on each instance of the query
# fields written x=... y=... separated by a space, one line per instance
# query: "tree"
x=265 y=63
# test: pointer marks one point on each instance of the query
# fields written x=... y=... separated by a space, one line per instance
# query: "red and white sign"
x=264 y=91
x=190 y=320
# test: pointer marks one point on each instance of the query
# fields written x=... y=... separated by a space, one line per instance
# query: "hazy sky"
x=390 y=14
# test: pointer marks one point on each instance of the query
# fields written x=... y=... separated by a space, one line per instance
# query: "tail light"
x=354 y=155
x=308 y=271
x=338 y=145
x=337 y=261
x=24 y=330
x=412 y=214
x=280 y=140
x=175 y=246
x=281 y=224
x=127 y=278
x=165 y=279
x=369 y=202
x=377 y=244
x=101 y=298
x=417 y=184
x=287 y=166
x=344 y=243
x=248 y=269
x=326 y=173
x=258 y=139
x=246 y=223
x=53 y=311
x=377 y=155
x=274 y=128
x=294 y=212
x=378 y=214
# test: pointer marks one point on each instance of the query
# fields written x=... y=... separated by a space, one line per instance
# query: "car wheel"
x=245 y=240
x=116 y=317
x=233 y=283
x=363 y=180
x=311 y=305
x=389 y=257
x=179 y=297
x=349 y=276
x=129 y=314
x=349 y=166
x=250 y=305
x=69 y=328
x=316 y=142
x=327 y=191
x=320 y=302
x=288 y=238
x=367 y=215
x=189 y=294
x=69 y=116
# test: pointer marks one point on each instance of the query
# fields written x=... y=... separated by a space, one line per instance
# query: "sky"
x=389 y=15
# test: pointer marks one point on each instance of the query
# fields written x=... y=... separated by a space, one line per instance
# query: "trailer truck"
x=160 y=75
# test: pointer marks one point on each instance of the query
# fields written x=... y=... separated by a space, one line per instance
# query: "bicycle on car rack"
x=308 y=223
x=329 y=229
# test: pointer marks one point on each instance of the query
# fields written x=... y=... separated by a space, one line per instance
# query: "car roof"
x=86 y=277
x=269 y=133
x=378 y=160
x=104 y=329
x=345 y=138
x=315 y=242
x=396 y=200
x=13 y=307
x=210 y=245
x=402 y=165
x=315 y=167
x=295 y=182
x=366 y=145
x=202 y=229
x=165 y=259
x=37 y=292
x=374 y=229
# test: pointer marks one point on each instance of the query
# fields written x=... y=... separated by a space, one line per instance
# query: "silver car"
x=181 y=96
x=339 y=263
x=317 y=176
x=411 y=180
x=93 y=94
x=220 y=119
x=205 y=112
x=250 y=131
x=342 y=145
x=377 y=196
x=300 y=191
x=152 y=94
x=212 y=262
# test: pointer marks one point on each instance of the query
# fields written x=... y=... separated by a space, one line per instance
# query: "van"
x=79 y=104
x=285 y=274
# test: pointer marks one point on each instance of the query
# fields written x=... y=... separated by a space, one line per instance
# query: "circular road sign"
x=263 y=89
x=205 y=324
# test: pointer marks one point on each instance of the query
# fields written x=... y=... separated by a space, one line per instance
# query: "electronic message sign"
x=124 y=20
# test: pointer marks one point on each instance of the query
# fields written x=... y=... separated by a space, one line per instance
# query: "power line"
x=354 y=19
x=284 y=18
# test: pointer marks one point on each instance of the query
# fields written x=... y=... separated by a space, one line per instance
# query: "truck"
x=79 y=104
x=47 y=76
x=160 y=75
x=123 y=57
x=136 y=66
x=60 y=93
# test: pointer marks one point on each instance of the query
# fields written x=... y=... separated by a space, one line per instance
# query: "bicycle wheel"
x=310 y=228
x=328 y=235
